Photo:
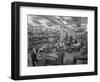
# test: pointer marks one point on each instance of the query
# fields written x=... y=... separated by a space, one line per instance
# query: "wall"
x=5 y=40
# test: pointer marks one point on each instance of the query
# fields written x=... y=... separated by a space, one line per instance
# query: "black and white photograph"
x=53 y=40
x=57 y=40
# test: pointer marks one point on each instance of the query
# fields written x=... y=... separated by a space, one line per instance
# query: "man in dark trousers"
x=33 y=56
